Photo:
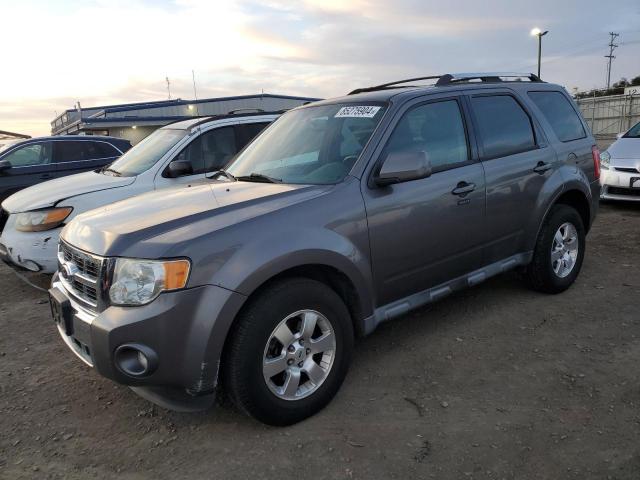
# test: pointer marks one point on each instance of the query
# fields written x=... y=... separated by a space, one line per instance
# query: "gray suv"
x=341 y=215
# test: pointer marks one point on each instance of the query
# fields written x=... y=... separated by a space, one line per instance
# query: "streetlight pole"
x=536 y=32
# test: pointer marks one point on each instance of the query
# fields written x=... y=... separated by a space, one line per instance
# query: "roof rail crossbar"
x=393 y=84
x=484 y=77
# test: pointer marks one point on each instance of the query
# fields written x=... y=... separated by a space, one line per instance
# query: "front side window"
x=505 y=128
x=560 y=114
x=210 y=151
x=313 y=145
x=29 y=155
x=145 y=154
x=436 y=129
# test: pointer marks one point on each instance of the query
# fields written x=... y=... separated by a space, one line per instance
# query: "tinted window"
x=504 y=126
x=560 y=114
x=102 y=150
x=634 y=132
x=248 y=131
x=71 y=151
x=34 y=154
x=210 y=151
x=435 y=128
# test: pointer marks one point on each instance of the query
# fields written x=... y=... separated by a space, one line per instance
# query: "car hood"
x=49 y=193
x=173 y=215
x=625 y=148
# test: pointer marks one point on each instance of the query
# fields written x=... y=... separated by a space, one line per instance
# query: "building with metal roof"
x=134 y=121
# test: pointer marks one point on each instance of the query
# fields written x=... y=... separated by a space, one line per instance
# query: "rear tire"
x=283 y=382
x=559 y=251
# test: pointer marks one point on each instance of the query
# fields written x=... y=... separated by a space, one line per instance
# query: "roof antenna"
x=195 y=93
x=168 y=87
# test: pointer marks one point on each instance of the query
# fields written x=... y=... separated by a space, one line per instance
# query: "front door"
x=30 y=164
x=428 y=231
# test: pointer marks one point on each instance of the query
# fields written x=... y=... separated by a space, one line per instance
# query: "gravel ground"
x=495 y=382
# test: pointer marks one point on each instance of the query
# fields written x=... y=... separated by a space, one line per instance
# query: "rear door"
x=517 y=161
x=570 y=139
x=76 y=156
x=428 y=231
x=30 y=164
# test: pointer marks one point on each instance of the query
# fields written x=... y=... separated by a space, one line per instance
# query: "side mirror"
x=4 y=165
x=179 y=168
x=620 y=135
x=401 y=167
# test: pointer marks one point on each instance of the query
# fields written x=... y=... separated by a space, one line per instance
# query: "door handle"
x=463 y=188
x=542 y=167
x=44 y=176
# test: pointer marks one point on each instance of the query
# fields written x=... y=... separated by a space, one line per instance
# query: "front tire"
x=288 y=352
x=559 y=251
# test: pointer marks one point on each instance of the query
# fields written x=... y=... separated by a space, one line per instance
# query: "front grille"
x=80 y=274
x=627 y=169
x=4 y=216
x=631 y=192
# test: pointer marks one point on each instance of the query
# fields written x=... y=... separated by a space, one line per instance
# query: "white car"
x=620 y=165
x=178 y=153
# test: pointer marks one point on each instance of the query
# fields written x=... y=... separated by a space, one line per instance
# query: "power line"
x=611 y=56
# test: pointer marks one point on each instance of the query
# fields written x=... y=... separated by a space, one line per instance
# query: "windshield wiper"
x=111 y=170
x=259 y=177
x=222 y=172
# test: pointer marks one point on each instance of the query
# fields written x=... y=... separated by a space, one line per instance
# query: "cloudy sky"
x=56 y=52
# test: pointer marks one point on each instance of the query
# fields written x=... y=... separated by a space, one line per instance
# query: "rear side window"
x=504 y=126
x=560 y=114
x=102 y=150
x=434 y=128
x=70 y=151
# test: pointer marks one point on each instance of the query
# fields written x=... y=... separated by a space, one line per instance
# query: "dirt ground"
x=497 y=382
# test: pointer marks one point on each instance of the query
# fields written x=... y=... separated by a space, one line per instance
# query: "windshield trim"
x=325 y=103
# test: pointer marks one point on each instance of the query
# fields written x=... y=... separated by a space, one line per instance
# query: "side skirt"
x=416 y=300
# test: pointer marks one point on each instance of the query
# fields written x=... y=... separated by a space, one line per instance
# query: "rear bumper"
x=616 y=185
x=185 y=330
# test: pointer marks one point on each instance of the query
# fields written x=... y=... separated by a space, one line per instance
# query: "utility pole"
x=611 y=56
x=168 y=87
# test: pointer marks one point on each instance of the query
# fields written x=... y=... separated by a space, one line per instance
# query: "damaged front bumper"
x=33 y=251
x=180 y=333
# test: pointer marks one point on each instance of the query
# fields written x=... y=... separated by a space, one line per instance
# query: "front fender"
x=258 y=261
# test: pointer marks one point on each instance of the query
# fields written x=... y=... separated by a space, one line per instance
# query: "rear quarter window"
x=560 y=114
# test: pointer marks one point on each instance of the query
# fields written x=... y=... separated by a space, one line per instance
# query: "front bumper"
x=34 y=251
x=186 y=330
x=616 y=185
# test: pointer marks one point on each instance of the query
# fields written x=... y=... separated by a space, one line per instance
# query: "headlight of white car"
x=41 y=220
x=138 y=282
x=605 y=160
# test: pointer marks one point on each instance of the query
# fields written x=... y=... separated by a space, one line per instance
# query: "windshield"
x=146 y=153
x=7 y=146
x=634 y=132
x=313 y=145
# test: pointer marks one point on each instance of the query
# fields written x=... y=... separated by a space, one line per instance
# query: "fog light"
x=135 y=360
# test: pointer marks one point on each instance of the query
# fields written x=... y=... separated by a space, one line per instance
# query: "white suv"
x=179 y=153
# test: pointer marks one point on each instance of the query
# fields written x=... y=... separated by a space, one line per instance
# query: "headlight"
x=605 y=160
x=138 y=282
x=40 y=220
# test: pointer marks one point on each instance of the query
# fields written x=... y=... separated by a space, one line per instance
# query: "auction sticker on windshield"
x=358 y=111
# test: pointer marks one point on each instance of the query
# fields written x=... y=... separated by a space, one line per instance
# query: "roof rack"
x=449 y=78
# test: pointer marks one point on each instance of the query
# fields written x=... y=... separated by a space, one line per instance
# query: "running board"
x=402 y=306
